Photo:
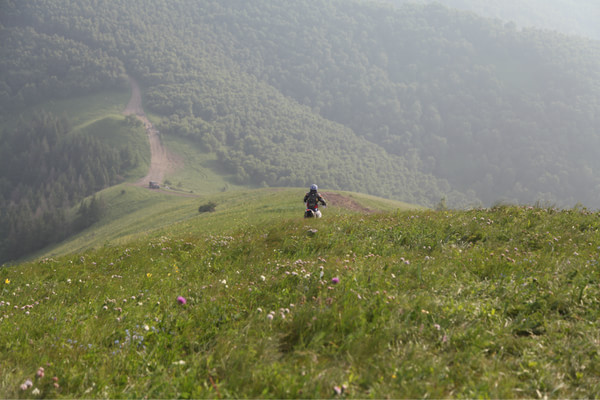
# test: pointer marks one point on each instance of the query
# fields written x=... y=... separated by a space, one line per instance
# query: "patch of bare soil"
x=348 y=203
x=161 y=161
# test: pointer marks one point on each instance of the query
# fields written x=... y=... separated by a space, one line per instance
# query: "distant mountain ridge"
x=573 y=17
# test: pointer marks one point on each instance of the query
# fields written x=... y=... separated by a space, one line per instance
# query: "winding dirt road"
x=161 y=161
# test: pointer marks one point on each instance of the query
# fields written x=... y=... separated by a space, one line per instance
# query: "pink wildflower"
x=335 y=280
x=181 y=300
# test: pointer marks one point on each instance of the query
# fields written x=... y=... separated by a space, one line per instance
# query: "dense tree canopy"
x=44 y=171
x=415 y=103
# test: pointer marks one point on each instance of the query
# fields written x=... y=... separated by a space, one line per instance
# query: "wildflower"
x=35 y=391
x=181 y=300
x=269 y=317
x=40 y=372
x=149 y=275
x=7 y=281
x=335 y=280
x=263 y=278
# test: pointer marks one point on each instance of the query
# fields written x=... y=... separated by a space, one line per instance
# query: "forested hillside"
x=414 y=103
x=44 y=172
x=575 y=17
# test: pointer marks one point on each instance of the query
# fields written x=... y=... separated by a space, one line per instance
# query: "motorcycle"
x=312 y=212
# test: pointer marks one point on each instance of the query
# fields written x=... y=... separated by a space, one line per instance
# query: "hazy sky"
x=580 y=17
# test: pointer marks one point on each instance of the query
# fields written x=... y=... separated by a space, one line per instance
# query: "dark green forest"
x=416 y=103
x=44 y=172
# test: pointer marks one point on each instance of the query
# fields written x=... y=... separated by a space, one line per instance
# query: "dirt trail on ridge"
x=348 y=203
x=161 y=161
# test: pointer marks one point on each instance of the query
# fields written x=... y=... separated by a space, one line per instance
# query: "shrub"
x=208 y=207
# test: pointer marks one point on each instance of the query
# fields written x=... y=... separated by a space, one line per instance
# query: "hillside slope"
x=161 y=160
x=133 y=213
x=500 y=303
x=51 y=167
x=414 y=104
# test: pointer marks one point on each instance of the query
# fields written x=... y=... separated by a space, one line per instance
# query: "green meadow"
x=253 y=301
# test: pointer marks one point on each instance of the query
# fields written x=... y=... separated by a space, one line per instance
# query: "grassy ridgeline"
x=135 y=212
x=487 y=303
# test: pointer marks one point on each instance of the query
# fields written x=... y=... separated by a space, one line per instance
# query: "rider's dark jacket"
x=313 y=198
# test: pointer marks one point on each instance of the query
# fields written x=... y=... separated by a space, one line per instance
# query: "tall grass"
x=500 y=303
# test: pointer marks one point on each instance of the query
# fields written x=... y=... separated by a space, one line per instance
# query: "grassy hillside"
x=111 y=131
x=79 y=110
x=499 y=303
x=200 y=172
x=55 y=154
x=134 y=212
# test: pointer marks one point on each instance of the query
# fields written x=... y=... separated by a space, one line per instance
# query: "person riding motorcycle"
x=312 y=200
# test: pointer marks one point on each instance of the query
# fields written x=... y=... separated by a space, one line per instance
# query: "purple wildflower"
x=181 y=300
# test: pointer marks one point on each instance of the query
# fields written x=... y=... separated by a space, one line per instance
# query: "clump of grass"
x=483 y=303
x=207 y=207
